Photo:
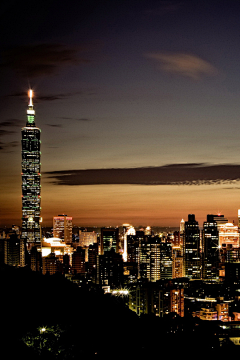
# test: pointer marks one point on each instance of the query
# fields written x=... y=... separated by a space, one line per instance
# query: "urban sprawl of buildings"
x=191 y=270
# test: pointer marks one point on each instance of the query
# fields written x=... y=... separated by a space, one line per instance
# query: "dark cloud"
x=12 y=122
x=39 y=97
x=52 y=97
x=232 y=187
x=9 y=145
x=41 y=59
x=175 y=174
x=3 y=133
x=13 y=144
x=55 y=97
x=6 y=132
x=83 y=119
x=17 y=94
x=78 y=119
x=54 y=125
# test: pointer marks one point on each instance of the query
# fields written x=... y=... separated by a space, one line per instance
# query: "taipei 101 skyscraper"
x=31 y=188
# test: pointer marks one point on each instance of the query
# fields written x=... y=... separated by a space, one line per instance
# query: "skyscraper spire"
x=30 y=110
x=30 y=94
x=31 y=188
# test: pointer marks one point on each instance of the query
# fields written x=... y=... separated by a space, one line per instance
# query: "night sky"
x=138 y=103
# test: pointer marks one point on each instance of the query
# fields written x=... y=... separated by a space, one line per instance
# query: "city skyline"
x=138 y=105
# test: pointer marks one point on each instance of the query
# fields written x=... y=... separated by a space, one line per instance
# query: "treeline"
x=49 y=317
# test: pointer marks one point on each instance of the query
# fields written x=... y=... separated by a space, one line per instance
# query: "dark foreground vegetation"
x=48 y=317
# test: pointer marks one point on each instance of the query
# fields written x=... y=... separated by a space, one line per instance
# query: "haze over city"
x=138 y=103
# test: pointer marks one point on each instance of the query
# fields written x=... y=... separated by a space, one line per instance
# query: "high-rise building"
x=149 y=258
x=177 y=252
x=191 y=249
x=177 y=301
x=51 y=265
x=182 y=225
x=228 y=236
x=92 y=261
x=220 y=220
x=158 y=298
x=110 y=269
x=36 y=259
x=133 y=242
x=87 y=238
x=177 y=239
x=109 y=239
x=223 y=311
x=127 y=230
x=210 y=250
x=154 y=268
x=62 y=228
x=154 y=259
x=12 y=249
x=177 y=263
x=78 y=261
x=166 y=260
x=31 y=188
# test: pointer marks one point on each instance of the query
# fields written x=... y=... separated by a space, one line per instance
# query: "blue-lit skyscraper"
x=31 y=188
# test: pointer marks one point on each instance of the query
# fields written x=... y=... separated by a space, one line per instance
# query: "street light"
x=41 y=330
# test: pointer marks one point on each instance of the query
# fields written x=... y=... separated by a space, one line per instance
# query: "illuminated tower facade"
x=31 y=188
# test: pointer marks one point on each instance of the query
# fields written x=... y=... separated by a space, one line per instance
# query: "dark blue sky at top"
x=116 y=64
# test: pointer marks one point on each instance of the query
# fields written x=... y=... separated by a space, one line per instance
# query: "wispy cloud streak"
x=187 y=65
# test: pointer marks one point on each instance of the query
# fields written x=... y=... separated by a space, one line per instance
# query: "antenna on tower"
x=30 y=110
x=30 y=94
